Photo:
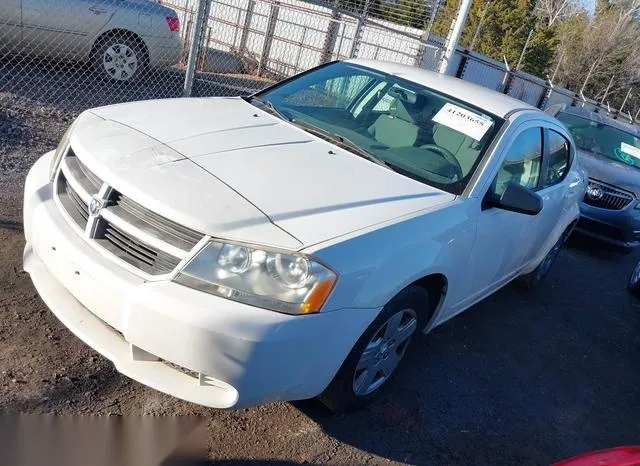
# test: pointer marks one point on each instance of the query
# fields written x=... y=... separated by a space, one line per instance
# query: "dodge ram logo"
x=95 y=206
x=595 y=193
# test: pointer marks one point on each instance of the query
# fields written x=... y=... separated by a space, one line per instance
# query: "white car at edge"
x=287 y=245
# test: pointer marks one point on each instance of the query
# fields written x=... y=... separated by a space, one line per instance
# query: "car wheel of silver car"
x=119 y=58
x=376 y=356
x=532 y=279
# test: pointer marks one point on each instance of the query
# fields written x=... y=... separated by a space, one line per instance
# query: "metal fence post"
x=247 y=25
x=357 y=36
x=268 y=36
x=464 y=58
x=545 y=95
x=424 y=38
x=202 y=15
x=331 y=37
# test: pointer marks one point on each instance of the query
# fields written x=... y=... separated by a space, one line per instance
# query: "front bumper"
x=183 y=342
x=619 y=228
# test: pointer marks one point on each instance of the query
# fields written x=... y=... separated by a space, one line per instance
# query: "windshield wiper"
x=265 y=103
x=341 y=141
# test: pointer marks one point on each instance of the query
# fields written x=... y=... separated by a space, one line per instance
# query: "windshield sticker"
x=468 y=123
x=630 y=150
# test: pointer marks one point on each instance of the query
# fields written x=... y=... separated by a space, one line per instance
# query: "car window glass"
x=602 y=139
x=337 y=92
x=416 y=131
x=558 y=162
x=522 y=163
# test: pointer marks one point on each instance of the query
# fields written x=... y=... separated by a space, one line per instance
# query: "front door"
x=505 y=240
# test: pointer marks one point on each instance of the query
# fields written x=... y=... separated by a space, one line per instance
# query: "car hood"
x=199 y=148
x=610 y=171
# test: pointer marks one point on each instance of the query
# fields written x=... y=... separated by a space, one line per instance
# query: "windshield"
x=598 y=138
x=409 y=128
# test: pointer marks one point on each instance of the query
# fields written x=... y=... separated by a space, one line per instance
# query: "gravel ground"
x=521 y=378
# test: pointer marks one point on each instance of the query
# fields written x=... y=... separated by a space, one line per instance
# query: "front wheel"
x=375 y=357
x=633 y=286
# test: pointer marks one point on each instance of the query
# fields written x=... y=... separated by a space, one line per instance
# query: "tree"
x=608 y=45
x=503 y=32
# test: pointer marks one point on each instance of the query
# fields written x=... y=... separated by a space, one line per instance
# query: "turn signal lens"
x=317 y=297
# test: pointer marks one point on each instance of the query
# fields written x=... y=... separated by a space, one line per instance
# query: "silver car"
x=609 y=150
x=119 y=37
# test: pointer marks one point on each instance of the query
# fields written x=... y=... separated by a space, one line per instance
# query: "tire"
x=356 y=385
x=119 y=58
x=633 y=285
x=532 y=279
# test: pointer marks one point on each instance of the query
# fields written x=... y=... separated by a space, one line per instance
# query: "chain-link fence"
x=76 y=54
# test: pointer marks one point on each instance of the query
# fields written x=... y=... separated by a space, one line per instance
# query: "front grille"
x=132 y=233
x=160 y=227
x=611 y=198
x=144 y=257
x=77 y=208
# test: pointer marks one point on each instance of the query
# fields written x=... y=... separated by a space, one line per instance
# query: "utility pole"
x=625 y=100
x=480 y=21
x=584 y=85
x=446 y=63
x=524 y=50
x=553 y=76
x=606 y=91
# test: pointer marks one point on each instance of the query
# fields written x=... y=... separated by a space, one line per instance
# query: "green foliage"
x=503 y=32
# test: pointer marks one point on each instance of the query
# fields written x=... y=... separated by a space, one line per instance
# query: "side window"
x=333 y=93
x=558 y=159
x=522 y=163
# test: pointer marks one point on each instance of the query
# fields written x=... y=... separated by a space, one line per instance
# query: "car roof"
x=599 y=117
x=482 y=97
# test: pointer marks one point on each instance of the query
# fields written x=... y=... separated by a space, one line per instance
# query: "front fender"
x=375 y=266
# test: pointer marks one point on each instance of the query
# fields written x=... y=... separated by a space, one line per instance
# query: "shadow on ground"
x=521 y=378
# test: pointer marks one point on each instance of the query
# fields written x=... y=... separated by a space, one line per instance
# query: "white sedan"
x=290 y=244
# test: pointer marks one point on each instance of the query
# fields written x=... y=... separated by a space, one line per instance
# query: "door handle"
x=97 y=10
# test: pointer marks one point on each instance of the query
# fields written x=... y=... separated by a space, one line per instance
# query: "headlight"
x=63 y=145
x=283 y=282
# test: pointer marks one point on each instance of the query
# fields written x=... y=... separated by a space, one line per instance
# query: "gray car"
x=119 y=37
x=609 y=151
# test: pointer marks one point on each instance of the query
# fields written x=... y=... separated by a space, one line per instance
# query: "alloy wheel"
x=120 y=62
x=383 y=353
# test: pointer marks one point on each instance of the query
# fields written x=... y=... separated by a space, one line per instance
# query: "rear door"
x=64 y=29
x=10 y=25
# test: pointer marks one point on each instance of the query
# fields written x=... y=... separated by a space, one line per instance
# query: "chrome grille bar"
x=134 y=234
x=611 y=198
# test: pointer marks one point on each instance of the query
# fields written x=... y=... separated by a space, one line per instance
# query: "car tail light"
x=174 y=23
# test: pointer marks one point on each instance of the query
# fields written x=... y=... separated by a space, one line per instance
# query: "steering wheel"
x=448 y=156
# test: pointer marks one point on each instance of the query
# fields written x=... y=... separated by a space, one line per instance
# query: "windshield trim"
x=458 y=187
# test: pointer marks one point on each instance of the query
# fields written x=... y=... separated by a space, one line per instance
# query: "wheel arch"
x=115 y=32
x=436 y=285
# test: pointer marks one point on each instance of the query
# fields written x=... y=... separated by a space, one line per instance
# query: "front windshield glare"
x=597 y=138
x=410 y=128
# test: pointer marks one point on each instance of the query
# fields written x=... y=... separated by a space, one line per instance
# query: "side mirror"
x=516 y=198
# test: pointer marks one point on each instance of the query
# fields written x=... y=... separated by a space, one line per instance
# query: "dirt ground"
x=521 y=378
